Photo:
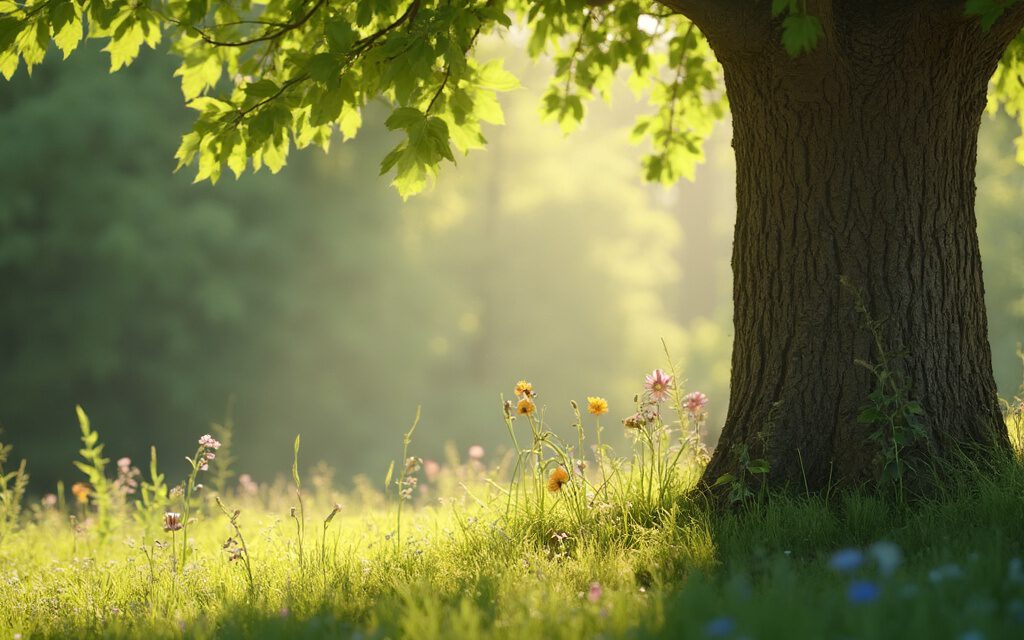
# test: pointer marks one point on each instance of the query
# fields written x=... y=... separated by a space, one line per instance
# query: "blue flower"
x=887 y=556
x=846 y=560
x=719 y=627
x=862 y=592
x=945 y=572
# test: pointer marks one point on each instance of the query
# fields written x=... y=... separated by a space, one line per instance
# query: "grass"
x=468 y=550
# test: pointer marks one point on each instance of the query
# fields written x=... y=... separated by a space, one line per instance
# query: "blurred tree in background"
x=326 y=306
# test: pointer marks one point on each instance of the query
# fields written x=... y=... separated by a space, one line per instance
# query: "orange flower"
x=597 y=406
x=526 y=407
x=557 y=478
x=81 y=491
x=524 y=388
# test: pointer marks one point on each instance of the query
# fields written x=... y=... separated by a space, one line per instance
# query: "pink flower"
x=431 y=469
x=247 y=485
x=658 y=384
x=476 y=452
x=209 y=442
x=50 y=500
x=695 y=402
x=595 y=592
x=124 y=464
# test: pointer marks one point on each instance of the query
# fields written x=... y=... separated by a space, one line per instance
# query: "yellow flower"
x=526 y=407
x=81 y=492
x=597 y=406
x=558 y=477
x=524 y=388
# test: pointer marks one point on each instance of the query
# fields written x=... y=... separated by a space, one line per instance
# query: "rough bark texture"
x=855 y=160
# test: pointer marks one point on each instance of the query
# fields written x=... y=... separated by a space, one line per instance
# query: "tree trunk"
x=856 y=160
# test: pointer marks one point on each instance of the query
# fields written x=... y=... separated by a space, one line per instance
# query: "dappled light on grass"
x=558 y=537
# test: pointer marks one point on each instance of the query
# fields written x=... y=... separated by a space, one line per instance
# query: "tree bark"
x=856 y=160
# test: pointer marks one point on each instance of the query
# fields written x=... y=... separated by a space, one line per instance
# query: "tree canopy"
x=265 y=77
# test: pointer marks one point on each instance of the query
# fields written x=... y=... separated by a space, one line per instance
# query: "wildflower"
x=50 y=500
x=846 y=560
x=1015 y=570
x=526 y=407
x=887 y=556
x=658 y=384
x=476 y=452
x=413 y=464
x=557 y=478
x=172 y=521
x=524 y=389
x=81 y=491
x=127 y=477
x=595 y=591
x=247 y=485
x=431 y=469
x=719 y=627
x=695 y=402
x=945 y=572
x=209 y=442
x=862 y=592
x=635 y=421
x=597 y=406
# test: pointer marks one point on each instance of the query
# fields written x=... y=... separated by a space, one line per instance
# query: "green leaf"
x=800 y=33
x=494 y=76
x=340 y=35
x=262 y=89
x=83 y=420
x=725 y=478
x=404 y=118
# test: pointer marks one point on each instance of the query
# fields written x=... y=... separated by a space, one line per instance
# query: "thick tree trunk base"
x=857 y=161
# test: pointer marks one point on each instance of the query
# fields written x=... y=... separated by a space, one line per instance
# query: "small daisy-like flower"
x=597 y=406
x=658 y=384
x=524 y=388
x=476 y=452
x=695 y=402
x=526 y=407
x=557 y=478
x=172 y=521
x=81 y=491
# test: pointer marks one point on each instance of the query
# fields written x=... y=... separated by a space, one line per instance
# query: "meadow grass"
x=558 y=539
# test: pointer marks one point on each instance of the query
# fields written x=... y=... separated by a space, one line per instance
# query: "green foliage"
x=897 y=421
x=152 y=503
x=94 y=468
x=265 y=78
x=223 y=472
x=12 y=490
x=750 y=472
x=988 y=11
x=801 y=31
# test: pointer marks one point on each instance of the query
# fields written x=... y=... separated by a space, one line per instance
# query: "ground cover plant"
x=559 y=537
